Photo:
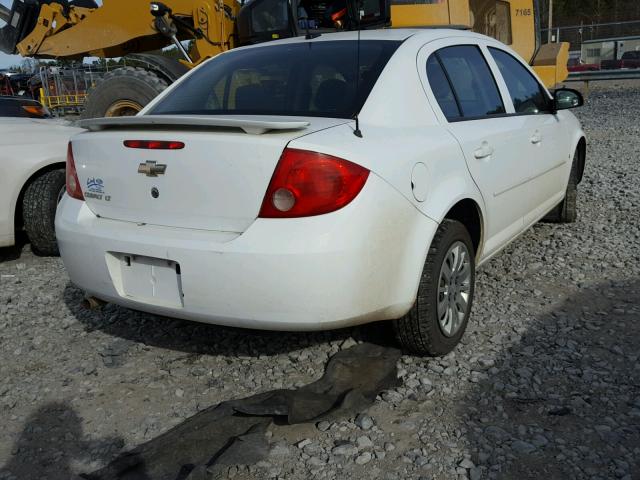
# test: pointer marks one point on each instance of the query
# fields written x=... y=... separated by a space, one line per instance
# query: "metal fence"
x=64 y=90
x=577 y=34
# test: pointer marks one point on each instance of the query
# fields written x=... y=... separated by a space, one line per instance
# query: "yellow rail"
x=61 y=101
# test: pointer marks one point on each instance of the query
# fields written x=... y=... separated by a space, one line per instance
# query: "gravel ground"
x=545 y=385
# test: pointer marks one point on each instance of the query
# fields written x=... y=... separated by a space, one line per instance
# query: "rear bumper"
x=7 y=240
x=359 y=264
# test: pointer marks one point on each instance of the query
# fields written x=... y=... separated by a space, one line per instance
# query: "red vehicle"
x=576 y=65
x=628 y=60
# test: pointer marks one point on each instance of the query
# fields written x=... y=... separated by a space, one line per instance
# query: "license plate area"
x=150 y=280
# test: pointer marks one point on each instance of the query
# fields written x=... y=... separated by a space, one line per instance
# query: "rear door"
x=544 y=139
x=465 y=94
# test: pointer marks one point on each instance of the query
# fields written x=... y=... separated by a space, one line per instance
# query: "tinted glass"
x=442 y=89
x=526 y=93
x=472 y=81
x=301 y=79
x=269 y=16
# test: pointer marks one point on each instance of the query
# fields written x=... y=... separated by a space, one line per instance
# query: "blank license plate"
x=151 y=280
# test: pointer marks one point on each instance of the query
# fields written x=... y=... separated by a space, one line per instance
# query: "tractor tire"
x=39 y=206
x=123 y=92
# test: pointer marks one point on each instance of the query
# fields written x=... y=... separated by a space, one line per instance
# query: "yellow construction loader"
x=74 y=29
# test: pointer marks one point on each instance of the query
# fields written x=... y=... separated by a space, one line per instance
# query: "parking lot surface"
x=546 y=383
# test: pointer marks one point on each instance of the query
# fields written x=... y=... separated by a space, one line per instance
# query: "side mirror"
x=566 y=98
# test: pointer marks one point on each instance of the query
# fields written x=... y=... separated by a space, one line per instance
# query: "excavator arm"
x=77 y=28
x=41 y=29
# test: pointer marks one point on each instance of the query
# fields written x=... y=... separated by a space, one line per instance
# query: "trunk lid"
x=216 y=182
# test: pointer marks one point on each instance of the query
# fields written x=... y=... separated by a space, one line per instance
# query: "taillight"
x=73 y=184
x=36 y=111
x=309 y=183
x=154 y=144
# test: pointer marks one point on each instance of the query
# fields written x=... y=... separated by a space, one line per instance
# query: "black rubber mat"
x=233 y=432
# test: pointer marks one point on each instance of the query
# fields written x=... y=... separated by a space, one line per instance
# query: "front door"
x=545 y=142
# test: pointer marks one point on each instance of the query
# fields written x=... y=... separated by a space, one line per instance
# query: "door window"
x=470 y=81
x=527 y=94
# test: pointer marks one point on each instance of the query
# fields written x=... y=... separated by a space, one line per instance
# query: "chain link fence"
x=576 y=35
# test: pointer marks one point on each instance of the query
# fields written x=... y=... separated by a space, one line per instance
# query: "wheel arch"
x=17 y=214
x=468 y=212
x=581 y=149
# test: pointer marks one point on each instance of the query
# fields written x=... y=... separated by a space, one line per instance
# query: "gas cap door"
x=419 y=179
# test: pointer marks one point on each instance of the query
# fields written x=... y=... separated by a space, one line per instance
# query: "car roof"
x=393 y=34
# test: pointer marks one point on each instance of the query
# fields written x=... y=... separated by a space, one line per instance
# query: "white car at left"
x=33 y=149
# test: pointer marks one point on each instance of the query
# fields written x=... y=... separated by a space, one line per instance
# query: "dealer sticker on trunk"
x=95 y=189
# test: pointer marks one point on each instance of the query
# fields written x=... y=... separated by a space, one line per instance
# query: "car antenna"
x=357 y=131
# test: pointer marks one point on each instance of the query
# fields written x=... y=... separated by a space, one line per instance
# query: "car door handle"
x=484 y=151
x=536 y=138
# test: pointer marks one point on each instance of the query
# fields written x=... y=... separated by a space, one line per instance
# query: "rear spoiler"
x=248 y=125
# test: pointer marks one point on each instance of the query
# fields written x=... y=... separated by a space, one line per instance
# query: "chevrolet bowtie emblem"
x=152 y=169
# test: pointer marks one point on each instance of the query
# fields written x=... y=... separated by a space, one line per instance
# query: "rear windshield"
x=10 y=107
x=315 y=79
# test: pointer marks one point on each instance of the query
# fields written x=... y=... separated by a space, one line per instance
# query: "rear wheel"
x=39 y=206
x=436 y=322
x=567 y=210
x=123 y=92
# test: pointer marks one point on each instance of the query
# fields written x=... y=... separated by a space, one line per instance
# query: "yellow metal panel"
x=523 y=28
x=451 y=12
x=469 y=12
x=551 y=63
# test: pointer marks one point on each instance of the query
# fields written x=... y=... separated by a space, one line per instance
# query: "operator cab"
x=265 y=20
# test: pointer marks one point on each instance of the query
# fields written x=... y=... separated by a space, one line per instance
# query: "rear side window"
x=442 y=89
x=527 y=94
x=299 y=79
x=471 y=82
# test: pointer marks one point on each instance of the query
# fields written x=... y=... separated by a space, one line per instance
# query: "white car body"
x=359 y=264
x=28 y=147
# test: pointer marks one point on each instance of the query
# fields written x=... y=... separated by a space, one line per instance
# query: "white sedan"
x=282 y=186
x=33 y=151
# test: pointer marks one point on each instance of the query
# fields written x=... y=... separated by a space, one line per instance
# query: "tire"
x=420 y=331
x=124 y=91
x=39 y=206
x=567 y=210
